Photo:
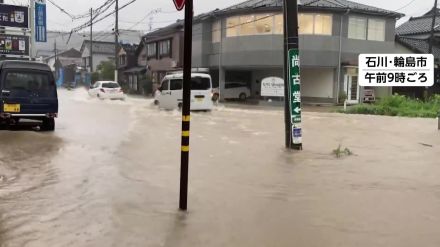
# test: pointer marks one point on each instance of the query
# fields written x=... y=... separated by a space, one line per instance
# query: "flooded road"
x=109 y=176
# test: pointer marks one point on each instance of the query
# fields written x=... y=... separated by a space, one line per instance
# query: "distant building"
x=102 y=51
x=164 y=50
x=413 y=36
x=131 y=75
x=71 y=53
x=244 y=43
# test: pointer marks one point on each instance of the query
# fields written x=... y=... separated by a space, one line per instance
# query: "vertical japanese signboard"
x=14 y=16
x=295 y=96
x=40 y=21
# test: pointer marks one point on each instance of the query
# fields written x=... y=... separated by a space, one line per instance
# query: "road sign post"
x=186 y=104
x=292 y=77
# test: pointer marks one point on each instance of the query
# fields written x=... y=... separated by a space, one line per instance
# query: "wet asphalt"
x=109 y=176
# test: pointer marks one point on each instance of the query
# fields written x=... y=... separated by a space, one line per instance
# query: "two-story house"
x=102 y=51
x=164 y=50
x=127 y=62
x=414 y=36
x=244 y=43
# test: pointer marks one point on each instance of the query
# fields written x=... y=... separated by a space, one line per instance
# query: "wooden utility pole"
x=434 y=17
x=91 y=40
x=116 y=38
x=292 y=79
x=186 y=105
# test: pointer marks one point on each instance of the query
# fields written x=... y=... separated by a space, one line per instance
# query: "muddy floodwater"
x=109 y=176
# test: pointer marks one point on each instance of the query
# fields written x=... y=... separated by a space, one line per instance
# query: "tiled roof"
x=418 y=45
x=129 y=48
x=100 y=47
x=328 y=4
x=419 y=25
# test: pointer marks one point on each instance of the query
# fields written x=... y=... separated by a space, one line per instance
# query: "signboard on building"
x=14 y=45
x=396 y=70
x=295 y=95
x=272 y=87
x=14 y=16
x=40 y=21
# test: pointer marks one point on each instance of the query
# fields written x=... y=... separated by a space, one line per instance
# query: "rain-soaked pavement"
x=109 y=176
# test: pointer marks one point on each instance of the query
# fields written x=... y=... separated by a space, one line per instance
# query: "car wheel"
x=48 y=124
x=242 y=97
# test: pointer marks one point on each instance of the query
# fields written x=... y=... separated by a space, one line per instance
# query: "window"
x=264 y=24
x=317 y=24
x=232 y=26
x=305 y=23
x=376 y=29
x=200 y=83
x=323 y=24
x=176 y=84
x=123 y=60
x=357 y=28
x=25 y=82
x=110 y=85
x=247 y=25
x=152 y=50
x=165 y=48
x=164 y=86
x=279 y=24
x=216 y=31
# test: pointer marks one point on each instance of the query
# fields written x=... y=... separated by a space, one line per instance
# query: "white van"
x=169 y=94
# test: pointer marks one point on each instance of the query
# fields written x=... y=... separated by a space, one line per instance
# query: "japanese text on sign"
x=396 y=70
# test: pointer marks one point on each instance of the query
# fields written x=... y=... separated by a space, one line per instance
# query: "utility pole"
x=32 y=28
x=434 y=17
x=431 y=40
x=186 y=105
x=55 y=49
x=116 y=39
x=91 y=41
x=292 y=82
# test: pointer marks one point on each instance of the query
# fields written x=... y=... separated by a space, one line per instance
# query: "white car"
x=236 y=90
x=169 y=95
x=107 y=90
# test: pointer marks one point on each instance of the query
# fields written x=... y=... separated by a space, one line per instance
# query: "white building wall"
x=317 y=82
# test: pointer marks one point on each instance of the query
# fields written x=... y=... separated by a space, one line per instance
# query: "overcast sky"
x=138 y=11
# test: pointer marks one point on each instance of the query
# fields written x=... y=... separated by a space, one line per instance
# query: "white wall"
x=317 y=83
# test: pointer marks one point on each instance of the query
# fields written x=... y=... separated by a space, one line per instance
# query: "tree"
x=106 y=70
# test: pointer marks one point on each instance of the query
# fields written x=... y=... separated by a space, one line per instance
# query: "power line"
x=93 y=21
x=153 y=12
x=404 y=6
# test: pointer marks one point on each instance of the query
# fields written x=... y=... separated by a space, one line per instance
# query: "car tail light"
x=102 y=90
x=120 y=90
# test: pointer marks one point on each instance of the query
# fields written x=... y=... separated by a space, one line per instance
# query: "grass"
x=339 y=152
x=398 y=105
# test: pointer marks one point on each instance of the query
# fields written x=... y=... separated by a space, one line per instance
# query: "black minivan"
x=28 y=91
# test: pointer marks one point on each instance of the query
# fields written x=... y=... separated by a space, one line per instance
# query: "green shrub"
x=398 y=105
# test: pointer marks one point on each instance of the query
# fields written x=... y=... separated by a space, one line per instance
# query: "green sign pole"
x=295 y=98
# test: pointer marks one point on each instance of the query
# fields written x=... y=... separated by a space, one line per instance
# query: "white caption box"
x=396 y=70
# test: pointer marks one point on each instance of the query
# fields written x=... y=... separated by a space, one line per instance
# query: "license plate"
x=14 y=108
x=199 y=99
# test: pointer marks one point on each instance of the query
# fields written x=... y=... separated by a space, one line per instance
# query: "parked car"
x=107 y=90
x=170 y=94
x=28 y=91
x=236 y=90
